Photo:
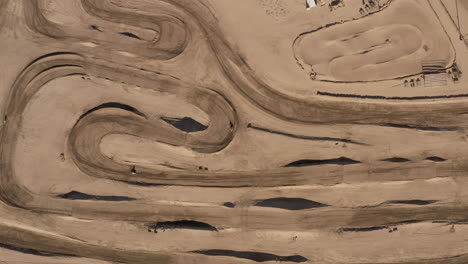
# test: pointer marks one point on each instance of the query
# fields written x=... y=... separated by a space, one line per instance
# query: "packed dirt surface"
x=393 y=43
x=464 y=3
x=210 y=131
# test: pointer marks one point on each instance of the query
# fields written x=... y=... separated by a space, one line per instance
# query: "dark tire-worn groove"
x=74 y=195
x=424 y=128
x=114 y=105
x=186 y=124
x=33 y=252
x=251 y=255
x=229 y=205
x=362 y=229
x=94 y=27
x=182 y=224
x=130 y=35
x=310 y=162
x=392 y=97
x=378 y=227
x=289 y=203
x=303 y=137
x=413 y=202
x=436 y=159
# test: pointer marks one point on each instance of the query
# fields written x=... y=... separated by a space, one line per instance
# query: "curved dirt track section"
x=220 y=167
x=374 y=48
x=168 y=39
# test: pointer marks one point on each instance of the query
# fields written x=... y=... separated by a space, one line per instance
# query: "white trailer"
x=310 y=4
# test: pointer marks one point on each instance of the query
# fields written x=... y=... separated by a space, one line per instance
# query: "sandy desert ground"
x=213 y=131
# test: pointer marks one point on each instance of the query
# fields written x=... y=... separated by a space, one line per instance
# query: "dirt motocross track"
x=210 y=131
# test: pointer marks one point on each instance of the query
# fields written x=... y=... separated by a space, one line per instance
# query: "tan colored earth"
x=213 y=131
x=464 y=3
x=376 y=47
